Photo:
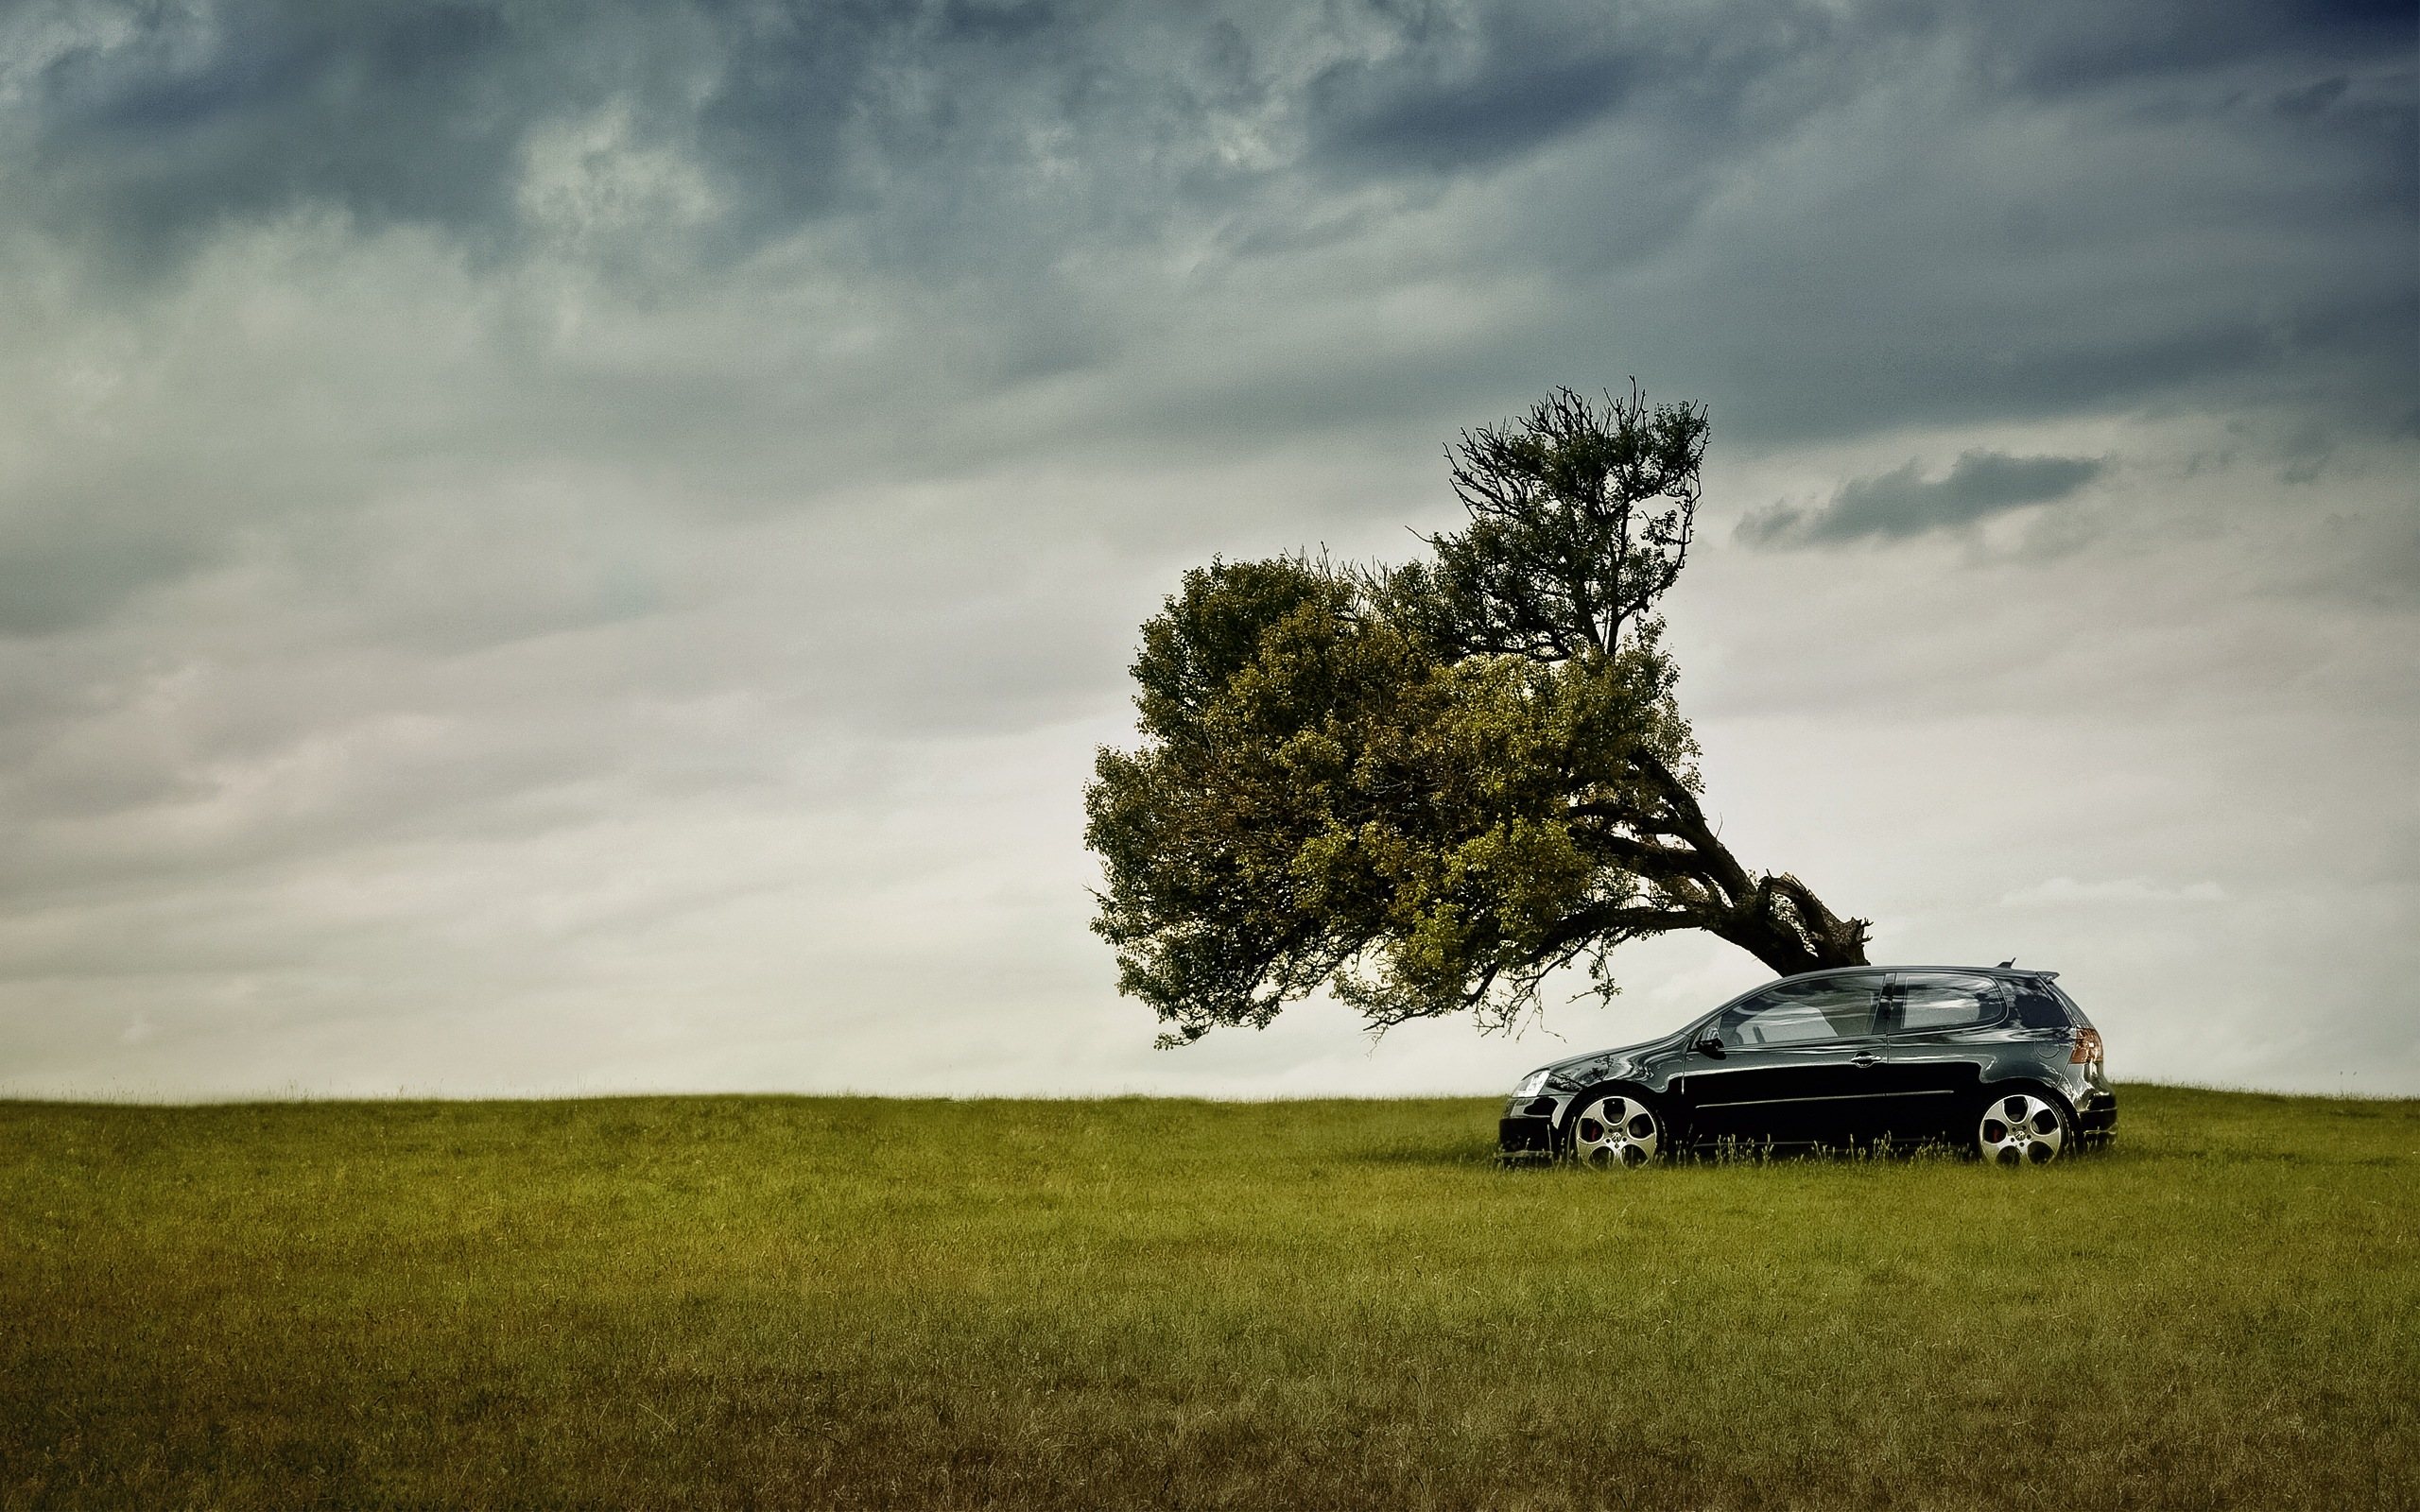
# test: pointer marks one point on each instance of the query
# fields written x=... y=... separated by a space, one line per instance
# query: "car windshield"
x=1797 y=1012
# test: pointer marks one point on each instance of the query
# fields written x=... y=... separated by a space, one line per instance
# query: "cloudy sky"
x=554 y=549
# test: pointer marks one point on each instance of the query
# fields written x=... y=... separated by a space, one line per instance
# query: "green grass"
x=827 y=1302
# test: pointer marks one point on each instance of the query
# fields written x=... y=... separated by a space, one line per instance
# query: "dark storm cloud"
x=1902 y=503
x=1454 y=99
x=1007 y=147
x=168 y=122
x=171 y=120
x=1467 y=87
x=1235 y=229
x=191 y=117
x=2066 y=47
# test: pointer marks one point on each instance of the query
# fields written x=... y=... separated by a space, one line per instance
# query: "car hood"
x=1611 y=1065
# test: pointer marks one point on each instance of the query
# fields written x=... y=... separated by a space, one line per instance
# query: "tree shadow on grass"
x=1463 y=1153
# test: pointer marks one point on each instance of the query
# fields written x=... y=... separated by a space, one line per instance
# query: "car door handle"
x=1865 y=1060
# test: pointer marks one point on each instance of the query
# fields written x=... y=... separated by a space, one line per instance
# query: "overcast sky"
x=554 y=549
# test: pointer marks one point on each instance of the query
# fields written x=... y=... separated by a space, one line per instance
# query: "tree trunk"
x=1784 y=926
x=1775 y=917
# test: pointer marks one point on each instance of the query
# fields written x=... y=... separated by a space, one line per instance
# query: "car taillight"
x=2087 y=1046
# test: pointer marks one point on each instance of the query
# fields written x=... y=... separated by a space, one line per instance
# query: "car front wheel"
x=1616 y=1129
x=2020 y=1128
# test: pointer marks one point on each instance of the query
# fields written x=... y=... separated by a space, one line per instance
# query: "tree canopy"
x=1431 y=786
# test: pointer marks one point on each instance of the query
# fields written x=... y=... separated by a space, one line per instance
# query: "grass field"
x=820 y=1302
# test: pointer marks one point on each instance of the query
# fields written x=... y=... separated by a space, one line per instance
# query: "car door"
x=1936 y=1027
x=1796 y=1065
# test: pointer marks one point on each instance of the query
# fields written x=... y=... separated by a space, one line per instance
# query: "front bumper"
x=1527 y=1130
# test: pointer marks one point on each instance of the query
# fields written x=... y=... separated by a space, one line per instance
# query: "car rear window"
x=2039 y=1007
x=2075 y=1010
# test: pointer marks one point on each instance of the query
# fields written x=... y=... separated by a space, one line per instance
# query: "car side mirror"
x=1708 y=1043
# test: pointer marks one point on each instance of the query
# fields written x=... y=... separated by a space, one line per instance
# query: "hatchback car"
x=1997 y=1059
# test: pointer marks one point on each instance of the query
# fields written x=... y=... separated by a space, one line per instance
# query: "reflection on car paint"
x=1997 y=1059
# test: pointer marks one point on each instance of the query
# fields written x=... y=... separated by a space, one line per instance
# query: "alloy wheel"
x=1615 y=1132
x=2020 y=1129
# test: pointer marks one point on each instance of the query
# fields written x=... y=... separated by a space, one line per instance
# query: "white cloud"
x=2066 y=892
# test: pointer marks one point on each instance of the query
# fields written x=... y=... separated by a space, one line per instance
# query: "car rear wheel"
x=1616 y=1129
x=2021 y=1128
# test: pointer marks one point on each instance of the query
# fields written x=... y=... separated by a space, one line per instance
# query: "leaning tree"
x=1430 y=787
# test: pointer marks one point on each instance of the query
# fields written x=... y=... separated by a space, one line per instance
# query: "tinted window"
x=1798 y=1012
x=2037 y=1007
x=1946 y=1002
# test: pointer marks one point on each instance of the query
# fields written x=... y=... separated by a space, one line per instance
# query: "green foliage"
x=827 y=1302
x=1431 y=787
x=1582 y=516
x=1327 y=794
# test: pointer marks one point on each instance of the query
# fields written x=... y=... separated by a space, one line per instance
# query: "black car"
x=1997 y=1059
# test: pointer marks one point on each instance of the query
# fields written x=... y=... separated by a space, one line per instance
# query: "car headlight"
x=1532 y=1084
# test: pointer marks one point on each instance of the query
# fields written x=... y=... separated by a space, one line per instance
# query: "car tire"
x=2021 y=1126
x=1616 y=1128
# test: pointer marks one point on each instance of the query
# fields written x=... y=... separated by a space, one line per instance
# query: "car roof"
x=1973 y=970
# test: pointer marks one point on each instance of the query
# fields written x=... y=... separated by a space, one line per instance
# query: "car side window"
x=1801 y=1013
x=2037 y=1008
x=1942 y=1001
